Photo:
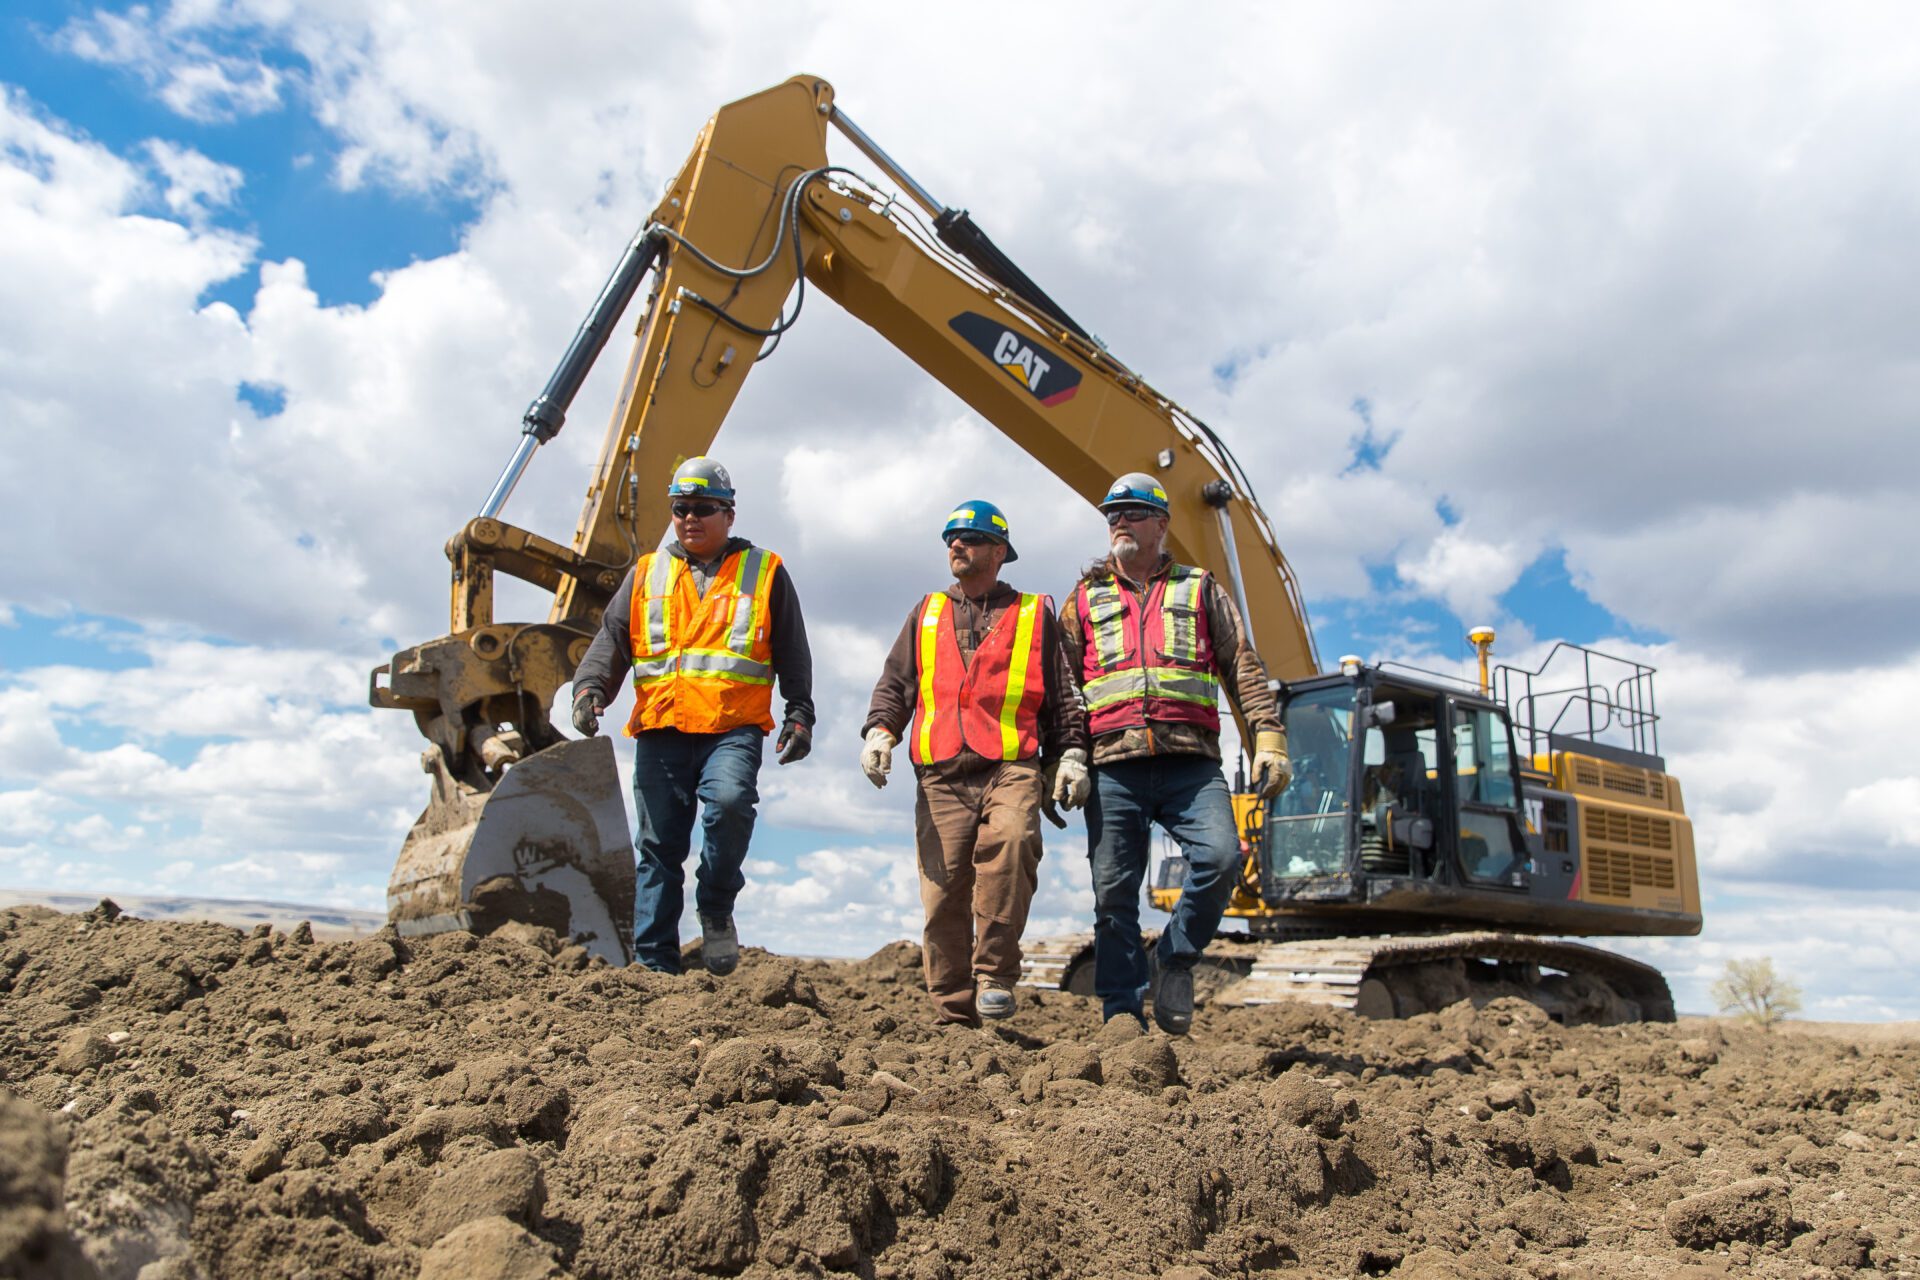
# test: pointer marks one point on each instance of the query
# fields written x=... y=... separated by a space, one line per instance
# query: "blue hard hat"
x=981 y=517
x=1136 y=488
x=701 y=477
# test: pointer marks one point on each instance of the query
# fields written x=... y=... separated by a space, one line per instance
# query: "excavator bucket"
x=547 y=844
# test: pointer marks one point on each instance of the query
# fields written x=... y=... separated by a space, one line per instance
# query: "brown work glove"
x=1272 y=771
x=587 y=706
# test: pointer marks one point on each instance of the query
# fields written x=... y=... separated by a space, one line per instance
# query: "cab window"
x=1482 y=759
x=1490 y=844
x=1307 y=823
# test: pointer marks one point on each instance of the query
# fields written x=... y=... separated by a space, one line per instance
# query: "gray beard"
x=1125 y=548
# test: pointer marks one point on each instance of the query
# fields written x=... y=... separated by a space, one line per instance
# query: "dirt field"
x=182 y=1100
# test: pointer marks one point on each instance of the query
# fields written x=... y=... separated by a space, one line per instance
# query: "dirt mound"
x=187 y=1100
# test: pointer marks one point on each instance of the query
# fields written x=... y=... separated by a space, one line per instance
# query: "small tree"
x=1755 y=993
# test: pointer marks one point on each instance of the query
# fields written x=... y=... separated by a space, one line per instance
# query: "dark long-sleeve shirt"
x=1063 y=721
x=610 y=655
x=1242 y=675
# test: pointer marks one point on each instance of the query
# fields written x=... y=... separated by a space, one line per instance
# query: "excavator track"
x=1402 y=975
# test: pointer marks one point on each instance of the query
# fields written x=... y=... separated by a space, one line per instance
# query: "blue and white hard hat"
x=981 y=517
x=1136 y=488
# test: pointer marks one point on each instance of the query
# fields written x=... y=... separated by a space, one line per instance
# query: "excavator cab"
x=1396 y=778
x=1412 y=805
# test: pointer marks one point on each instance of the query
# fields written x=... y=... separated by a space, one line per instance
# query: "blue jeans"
x=671 y=770
x=1187 y=796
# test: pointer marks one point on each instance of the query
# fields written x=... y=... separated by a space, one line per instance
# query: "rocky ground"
x=183 y=1100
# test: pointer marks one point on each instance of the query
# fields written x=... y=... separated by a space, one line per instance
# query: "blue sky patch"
x=1370 y=446
x=1547 y=600
x=74 y=640
x=263 y=400
x=290 y=202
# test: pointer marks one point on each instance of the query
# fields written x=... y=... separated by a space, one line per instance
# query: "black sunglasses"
x=969 y=538
x=681 y=510
x=1132 y=515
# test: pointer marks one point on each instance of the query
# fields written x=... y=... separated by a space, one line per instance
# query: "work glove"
x=1069 y=784
x=876 y=755
x=1272 y=771
x=587 y=706
x=795 y=740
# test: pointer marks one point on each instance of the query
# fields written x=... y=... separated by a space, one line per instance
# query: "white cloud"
x=196 y=185
x=183 y=71
x=1467 y=573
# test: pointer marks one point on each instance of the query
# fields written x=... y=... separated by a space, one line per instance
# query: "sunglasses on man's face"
x=1131 y=515
x=681 y=510
x=968 y=538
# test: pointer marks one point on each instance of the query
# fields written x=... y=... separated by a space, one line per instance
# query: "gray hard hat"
x=701 y=477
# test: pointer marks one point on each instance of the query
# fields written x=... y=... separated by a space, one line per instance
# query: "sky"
x=1590 y=322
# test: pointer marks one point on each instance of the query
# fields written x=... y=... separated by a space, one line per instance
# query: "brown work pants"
x=977 y=825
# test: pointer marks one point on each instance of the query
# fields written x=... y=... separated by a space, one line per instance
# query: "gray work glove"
x=876 y=755
x=795 y=740
x=587 y=706
x=1272 y=771
x=1070 y=785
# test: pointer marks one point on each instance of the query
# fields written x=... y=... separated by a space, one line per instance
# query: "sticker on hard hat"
x=1045 y=374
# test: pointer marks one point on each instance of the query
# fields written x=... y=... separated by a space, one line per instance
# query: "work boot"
x=994 y=999
x=1173 y=1001
x=719 y=945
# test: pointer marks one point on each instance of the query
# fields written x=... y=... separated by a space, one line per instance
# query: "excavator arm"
x=755 y=216
x=757 y=193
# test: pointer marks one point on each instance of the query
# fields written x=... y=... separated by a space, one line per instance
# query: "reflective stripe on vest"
x=1017 y=677
x=930 y=615
x=1148 y=660
x=703 y=664
x=991 y=705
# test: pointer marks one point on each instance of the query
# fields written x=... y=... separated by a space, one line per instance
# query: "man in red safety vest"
x=976 y=685
x=1151 y=642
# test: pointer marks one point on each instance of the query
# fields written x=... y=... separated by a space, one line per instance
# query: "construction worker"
x=1150 y=642
x=979 y=671
x=706 y=624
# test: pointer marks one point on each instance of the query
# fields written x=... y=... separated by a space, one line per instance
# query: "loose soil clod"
x=199 y=1101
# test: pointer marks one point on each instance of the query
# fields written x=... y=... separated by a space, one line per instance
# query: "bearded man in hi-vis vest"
x=1151 y=642
x=977 y=687
x=705 y=624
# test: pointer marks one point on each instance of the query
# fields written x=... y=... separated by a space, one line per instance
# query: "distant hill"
x=241 y=913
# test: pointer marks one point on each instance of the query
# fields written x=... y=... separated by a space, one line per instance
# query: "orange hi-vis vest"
x=702 y=664
x=992 y=705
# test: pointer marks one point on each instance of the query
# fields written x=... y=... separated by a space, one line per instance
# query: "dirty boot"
x=994 y=999
x=1173 y=1002
x=719 y=945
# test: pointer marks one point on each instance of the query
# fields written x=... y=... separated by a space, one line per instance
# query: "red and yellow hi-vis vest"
x=991 y=706
x=1148 y=663
x=702 y=664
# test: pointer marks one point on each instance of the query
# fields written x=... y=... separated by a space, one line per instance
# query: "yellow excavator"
x=1417 y=856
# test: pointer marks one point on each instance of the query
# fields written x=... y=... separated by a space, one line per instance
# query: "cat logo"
x=1047 y=376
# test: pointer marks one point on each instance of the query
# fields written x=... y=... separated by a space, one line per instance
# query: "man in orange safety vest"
x=704 y=625
x=976 y=685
